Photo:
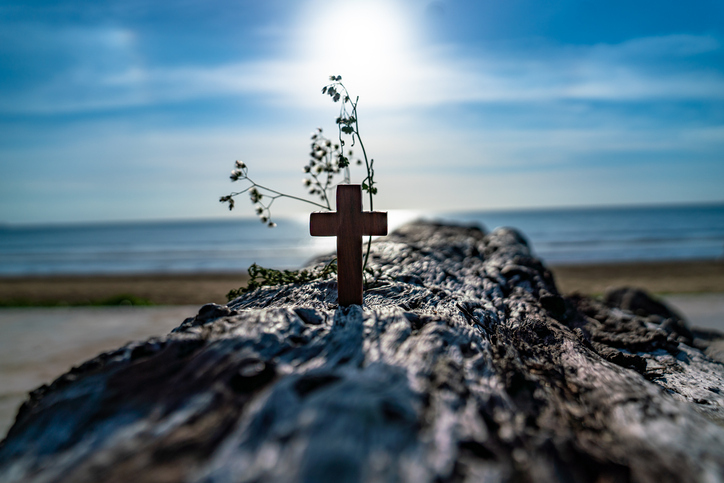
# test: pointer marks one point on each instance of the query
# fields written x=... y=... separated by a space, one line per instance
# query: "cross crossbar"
x=349 y=224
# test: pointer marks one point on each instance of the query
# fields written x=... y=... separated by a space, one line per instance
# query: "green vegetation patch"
x=112 y=301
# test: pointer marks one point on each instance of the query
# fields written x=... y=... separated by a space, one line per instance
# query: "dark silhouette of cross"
x=349 y=224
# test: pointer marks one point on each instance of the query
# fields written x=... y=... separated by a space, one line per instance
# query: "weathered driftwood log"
x=464 y=365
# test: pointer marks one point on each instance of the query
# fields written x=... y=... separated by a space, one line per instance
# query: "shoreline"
x=666 y=277
x=656 y=277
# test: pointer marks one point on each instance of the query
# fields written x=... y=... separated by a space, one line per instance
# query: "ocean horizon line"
x=300 y=216
x=557 y=236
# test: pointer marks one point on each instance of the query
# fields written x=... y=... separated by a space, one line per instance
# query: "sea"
x=558 y=236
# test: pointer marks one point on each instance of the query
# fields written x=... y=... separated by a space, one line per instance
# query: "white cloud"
x=408 y=75
x=667 y=46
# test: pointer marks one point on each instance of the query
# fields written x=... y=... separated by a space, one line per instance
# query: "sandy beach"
x=697 y=276
x=177 y=289
x=37 y=344
x=190 y=289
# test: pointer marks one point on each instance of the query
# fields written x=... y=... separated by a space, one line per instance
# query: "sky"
x=137 y=110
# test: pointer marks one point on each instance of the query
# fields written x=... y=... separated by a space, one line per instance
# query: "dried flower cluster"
x=261 y=207
x=348 y=124
x=328 y=163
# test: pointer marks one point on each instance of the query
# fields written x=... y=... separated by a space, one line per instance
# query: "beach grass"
x=700 y=276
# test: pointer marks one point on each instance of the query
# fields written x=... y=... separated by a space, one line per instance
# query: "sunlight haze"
x=133 y=110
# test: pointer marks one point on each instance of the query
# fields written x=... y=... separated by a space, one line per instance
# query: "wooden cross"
x=349 y=224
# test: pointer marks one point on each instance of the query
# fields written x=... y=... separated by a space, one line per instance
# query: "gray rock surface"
x=465 y=364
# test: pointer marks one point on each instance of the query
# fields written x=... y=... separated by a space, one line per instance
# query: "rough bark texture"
x=463 y=365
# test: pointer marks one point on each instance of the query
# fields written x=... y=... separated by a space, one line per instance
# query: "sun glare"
x=369 y=42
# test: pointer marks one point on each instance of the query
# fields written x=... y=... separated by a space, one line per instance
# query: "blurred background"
x=128 y=111
x=120 y=121
x=595 y=127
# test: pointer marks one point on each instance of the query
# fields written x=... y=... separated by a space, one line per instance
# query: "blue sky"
x=124 y=110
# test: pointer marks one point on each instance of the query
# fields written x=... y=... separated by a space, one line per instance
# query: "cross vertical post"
x=349 y=224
